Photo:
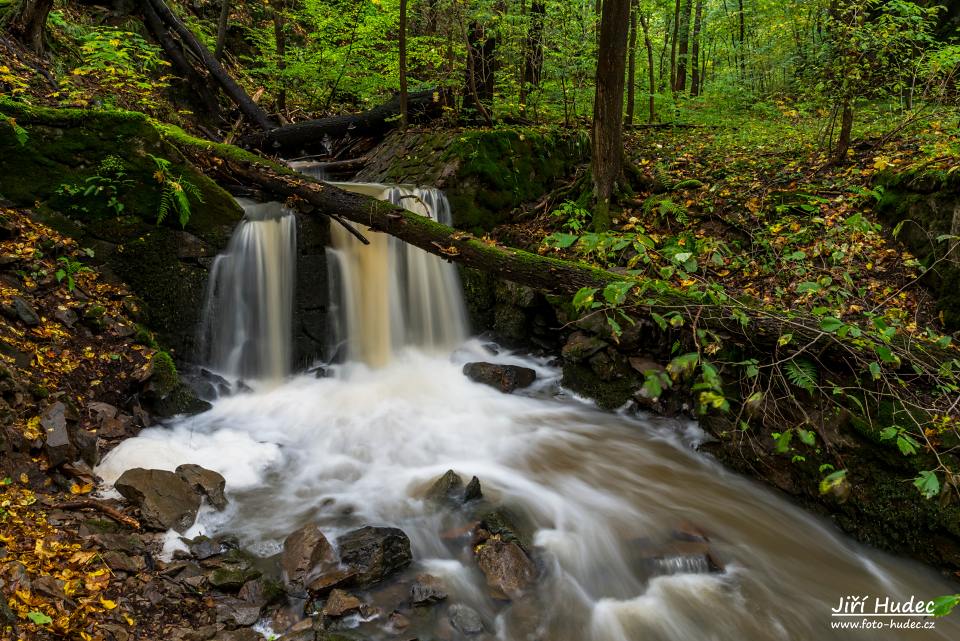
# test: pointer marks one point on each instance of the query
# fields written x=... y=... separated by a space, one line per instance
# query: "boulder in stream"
x=465 y=619
x=205 y=483
x=505 y=378
x=449 y=490
x=340 y=603
x=427 y=590
x=371 y=554
x=303 y=552
x=165 y=500
x=509 y=571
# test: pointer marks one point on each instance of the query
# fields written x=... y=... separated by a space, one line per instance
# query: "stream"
x=612 y=502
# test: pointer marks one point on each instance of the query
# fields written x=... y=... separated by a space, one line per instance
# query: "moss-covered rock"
x=485 y=173
x=165 y=265
x=924 y=205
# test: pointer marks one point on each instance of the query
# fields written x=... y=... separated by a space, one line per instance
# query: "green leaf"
x=560 y=240
x=583 y=299
x=659 y=320
x=39 y=618
x=832 y=480
x=614 y=327
x=906 y=444
x=944 y=605
x=831 y=324
x=807 y=287
x=875 y=370
x=888 y=433
x=616 y=292
x=887 y=356
x=802 y=373
x=782 y=441
x=927 y=483
x=785 y=339
x=807 y=437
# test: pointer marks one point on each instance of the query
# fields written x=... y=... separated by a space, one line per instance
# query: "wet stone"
x=465 y=619
x=165 y=500
x=234 y=612
x=205 y=483
x=509 y=571
x=303 y=552
x=341 y=603
x=505 y=378
x=374 y=553
x=427 y=590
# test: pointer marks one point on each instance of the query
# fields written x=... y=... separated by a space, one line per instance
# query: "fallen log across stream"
x=756 y=329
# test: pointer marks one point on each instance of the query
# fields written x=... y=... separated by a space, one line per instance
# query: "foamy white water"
x=360 y=448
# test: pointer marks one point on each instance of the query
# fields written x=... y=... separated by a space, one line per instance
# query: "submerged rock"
x=205 y=483
x=465 y=619
x=341 y=603
x=505 y=378
x=303 y=552
x=371 y=554
x=449 y=490
x=509 y=571
x=427 y=590
x=165 y=500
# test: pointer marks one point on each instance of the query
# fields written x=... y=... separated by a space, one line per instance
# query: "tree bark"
x=673 y=46
x=222 y=28
x=632 y=64
x=480 y=77
x=27 y=21
x=247 y=106
x=280 y=36
x=404 y=113
x=651 y=89
x=204 y=93
x=846 y=131
x=533 y=52
x=695 y=54
x=742 y=41
x=607 y=131
x=309 y=135
x=683 y=47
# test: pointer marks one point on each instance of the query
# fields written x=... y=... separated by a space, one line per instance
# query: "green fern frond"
x=802 y=373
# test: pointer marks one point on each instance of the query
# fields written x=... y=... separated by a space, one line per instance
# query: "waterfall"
x=248 y=315
x=388 y=295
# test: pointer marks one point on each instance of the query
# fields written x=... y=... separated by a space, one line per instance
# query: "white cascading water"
x=598 y=490
x=387 y=295
x=246 y=330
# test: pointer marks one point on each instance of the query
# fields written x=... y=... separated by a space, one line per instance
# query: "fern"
x=803 y=374
x=175 y=193
x=664 y=207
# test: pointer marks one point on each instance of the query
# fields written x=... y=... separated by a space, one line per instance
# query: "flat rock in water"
x=374 y=553
x=508 y=569
x=303 y=552
x=165 y=500
x=427 y=590
x=505 y=378
x=465 y=619
x=205 y=483
x=341 y=603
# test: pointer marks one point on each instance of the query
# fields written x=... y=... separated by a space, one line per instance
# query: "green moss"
x=164 y=377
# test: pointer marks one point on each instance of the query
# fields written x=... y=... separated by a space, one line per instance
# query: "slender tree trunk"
x=247 y=106
x=222 y=28
x=673 y=46
x=846 y=131
x=695 y=55
x=533 y=52
x=651 y=90
x=26 y=23
x=632 y=63
x=683 y=46
x=280 y=34
x=404 y=118
x=480 y=74
x=608 y=107
x=742 y=41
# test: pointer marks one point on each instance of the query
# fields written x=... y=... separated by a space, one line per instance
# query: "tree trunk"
x=695 y=55
x=404 y=115
x=846 y=131
x=742 y=43
x=673 y=46
x=204 y=93
x=683 y=47
x=222 y=28
x=247 y=106
x=27 y=21
x=480 y=76
x=608 y=107
x=651 y=90
x=310 y=134
x=280 y=35
x=632 y=63
x=533 y=52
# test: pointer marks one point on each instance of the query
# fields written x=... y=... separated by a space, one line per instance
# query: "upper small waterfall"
x=388 y=294
x=247 y=319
